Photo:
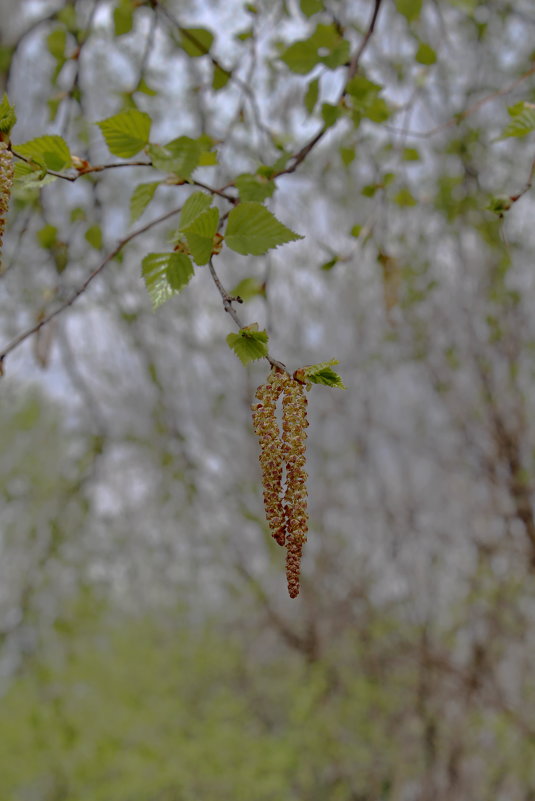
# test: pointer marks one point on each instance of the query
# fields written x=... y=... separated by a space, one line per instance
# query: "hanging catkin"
x=283 y=453
x=6 y=183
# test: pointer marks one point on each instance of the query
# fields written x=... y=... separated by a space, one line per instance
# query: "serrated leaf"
x=522 y=121
x=195 y=205
x=180 y=156
x=312 y=94
x=253 y=230
x=249 y=344
x=165 y=275
x=8 y=118
x=93 y=235
x=196 y=42
x=322 y=374
x=126 y=133
x=254 y=187
x=141 y=197
x=200 y=235
x=50 y=152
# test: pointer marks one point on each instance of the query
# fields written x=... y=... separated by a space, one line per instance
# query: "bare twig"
x=82 y=288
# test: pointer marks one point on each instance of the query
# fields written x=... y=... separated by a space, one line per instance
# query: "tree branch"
x=228 y=300
x=82 y=288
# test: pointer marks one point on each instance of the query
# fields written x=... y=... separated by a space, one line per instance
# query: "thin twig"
x=82 y=288
x=228 y=300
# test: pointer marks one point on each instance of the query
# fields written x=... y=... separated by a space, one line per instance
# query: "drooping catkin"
x=294 y=425
x=284 y=452
x=267 y=430
x=6 y=183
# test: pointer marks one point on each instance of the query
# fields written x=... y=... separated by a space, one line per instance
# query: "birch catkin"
x=284 y=453
x=6 y=183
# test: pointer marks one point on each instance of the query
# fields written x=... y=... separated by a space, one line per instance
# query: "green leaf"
x=165 y=275
x=522 y=120
x=8 y=118
x=248 y=288
x=410 y=154
x=405 y=198
x=312 y=94
x=328 y=265
x=180 y=156
x=93 y=235
x=409 y=8
x=425 y=54
x=195 y=205
x=301 y=56
x=141 y=197
x=56 y=42
x=347 y=154
x=47 y=236
x=249 y=344
x=310 y=7
x=330 y=114
x=123 y=17
x=220 y=78
x=196 y=42
x=50 y=152
x=145 y=89
x=254 y=187
x=323 y=374
x=200 y=235
x=252 y=229
x=126 y=133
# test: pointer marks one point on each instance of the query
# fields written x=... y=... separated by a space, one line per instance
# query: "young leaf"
x=180 y=156
x=220 y=78
x=200 y=235
x=141 y=197
x=56 y=42
x=312 y=94
x=249 y=344
x=8 y=118
x=522 y=120
x=254 y=187
x=409 y=8
x=321 y=374
x=196 y=204
x=253 y=230
x=165 y=274
x=425 y=54
x=123 y=17
x=248 y=288
x=196 y=42
x=310 y=7
x=301 y=56
x=126 y=133
x=93 y=235
x=50 y=152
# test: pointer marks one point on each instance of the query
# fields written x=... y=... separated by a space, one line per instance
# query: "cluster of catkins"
x=285 y=502
x=6 y=182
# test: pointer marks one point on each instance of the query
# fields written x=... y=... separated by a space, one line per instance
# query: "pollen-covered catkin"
x=271 y=452
x=294 y=425
x=6 y=182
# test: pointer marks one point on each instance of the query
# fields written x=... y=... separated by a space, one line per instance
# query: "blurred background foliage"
x=148 y=649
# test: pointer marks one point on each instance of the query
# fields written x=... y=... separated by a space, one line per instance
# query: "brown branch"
x=18 y=340
x=301 y=154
